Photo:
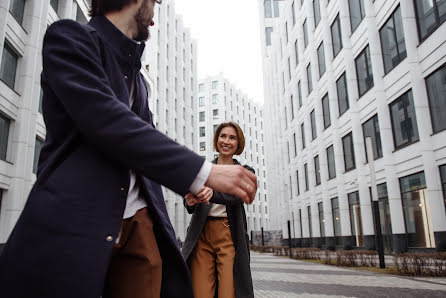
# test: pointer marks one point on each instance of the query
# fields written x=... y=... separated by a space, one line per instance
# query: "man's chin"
x=143 y=35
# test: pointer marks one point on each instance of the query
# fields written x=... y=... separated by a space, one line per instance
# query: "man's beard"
x=142 y=22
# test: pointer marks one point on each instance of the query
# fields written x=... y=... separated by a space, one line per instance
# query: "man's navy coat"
x=61 y=245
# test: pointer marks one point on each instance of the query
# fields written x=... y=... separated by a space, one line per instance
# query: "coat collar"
x=235 y=161
x=124 y=47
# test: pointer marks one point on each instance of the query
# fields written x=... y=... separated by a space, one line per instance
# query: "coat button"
x=126 y=77
x=122 y=188
x=109 y=238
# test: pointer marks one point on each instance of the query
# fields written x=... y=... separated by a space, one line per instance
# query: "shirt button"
x=109 y=238
x=126 y=77
x=122 y=188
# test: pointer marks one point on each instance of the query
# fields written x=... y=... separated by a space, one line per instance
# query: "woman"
x=216 y=246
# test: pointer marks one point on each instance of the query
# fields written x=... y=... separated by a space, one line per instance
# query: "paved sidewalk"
x=283 y=277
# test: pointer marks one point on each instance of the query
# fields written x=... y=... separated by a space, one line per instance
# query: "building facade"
x=169 y=68
x=171 y=56
x=336 y=72
x=219 y=101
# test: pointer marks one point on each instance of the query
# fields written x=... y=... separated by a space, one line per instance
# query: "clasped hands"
x=203 y=196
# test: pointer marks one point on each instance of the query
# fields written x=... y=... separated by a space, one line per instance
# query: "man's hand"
x=205 y=195
x=235 y=180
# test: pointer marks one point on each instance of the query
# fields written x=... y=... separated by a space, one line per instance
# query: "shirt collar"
x=125 y=47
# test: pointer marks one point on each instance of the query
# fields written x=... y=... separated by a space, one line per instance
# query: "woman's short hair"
x=240 y=136
x=101 y=7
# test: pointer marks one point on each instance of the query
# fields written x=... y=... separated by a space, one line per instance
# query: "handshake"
x=230 y=179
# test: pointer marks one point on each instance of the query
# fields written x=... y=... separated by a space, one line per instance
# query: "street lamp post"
x=263 y=239
x=378 y=233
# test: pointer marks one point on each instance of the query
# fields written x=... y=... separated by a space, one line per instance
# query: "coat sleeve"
x=72 y=66
x=227 y=199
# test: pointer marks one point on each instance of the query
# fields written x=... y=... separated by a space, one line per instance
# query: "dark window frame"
x=317 y=170
x=429 y=98
x=326 y=113
x=364 y=52
x=307 y=184
x=321 y=73
x=376 y=133
x=352 y=153
x=344 y=76
x=350 y=14
x=313 y=125
x=328 y=162
x=437 y=21
x=401 y=59
x=410 y=142
x=337 y=20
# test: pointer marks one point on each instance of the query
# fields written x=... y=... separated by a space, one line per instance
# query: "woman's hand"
x=205 y=195
x=191 y=200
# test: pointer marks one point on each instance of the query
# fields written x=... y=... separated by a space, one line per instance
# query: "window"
x=364 y=71
x=321 y=59
x=317 y=170
x=392 y=41
x=292 y=107
x=17 y=9
x=357 y=13
x=336 y=220
x=326 y=111
x=37 y=148
x=214 y=127
x=320 y=208
x=355 y=219
x=4 y=136
x=268 y=11
x=296 y=52
x=298 y=188
x=317 y=12
x=201 y=88
x=331 y=163
x=294 y=142
x=55 y=4
x=286 y=32
x=202 y=116
x=289 y=68
x=302 y=132
x=202 y=146
x=8 y=66
x=436 y=91
x=430 y=14
x=416 y=211
x=306 y=176
x=214 y=99
x=313 y=125
x=299 y=92
x=336 y=36
x=268 y=32
x=202 y=131
x=349 y=153
x=276 y=8
x=40 y=100
x=294 y=13
x=305 y=34
x=201 y=101
x=370 y=128
x=214 y=85
x=404 y=122
x=443 y=182
x=310 y=229
x=341 y=88
x=215 y=113
x=310 y=80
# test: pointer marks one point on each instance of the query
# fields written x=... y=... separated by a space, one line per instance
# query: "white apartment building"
x=171 y=54
x=220 y=101
x=335 y=72
x=169 y=67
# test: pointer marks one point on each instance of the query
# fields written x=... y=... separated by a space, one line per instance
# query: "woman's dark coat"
x=237 y=224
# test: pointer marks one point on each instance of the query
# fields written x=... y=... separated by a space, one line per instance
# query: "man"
x=95 y=223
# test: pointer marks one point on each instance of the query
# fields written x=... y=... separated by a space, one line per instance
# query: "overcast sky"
x=228 y=36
